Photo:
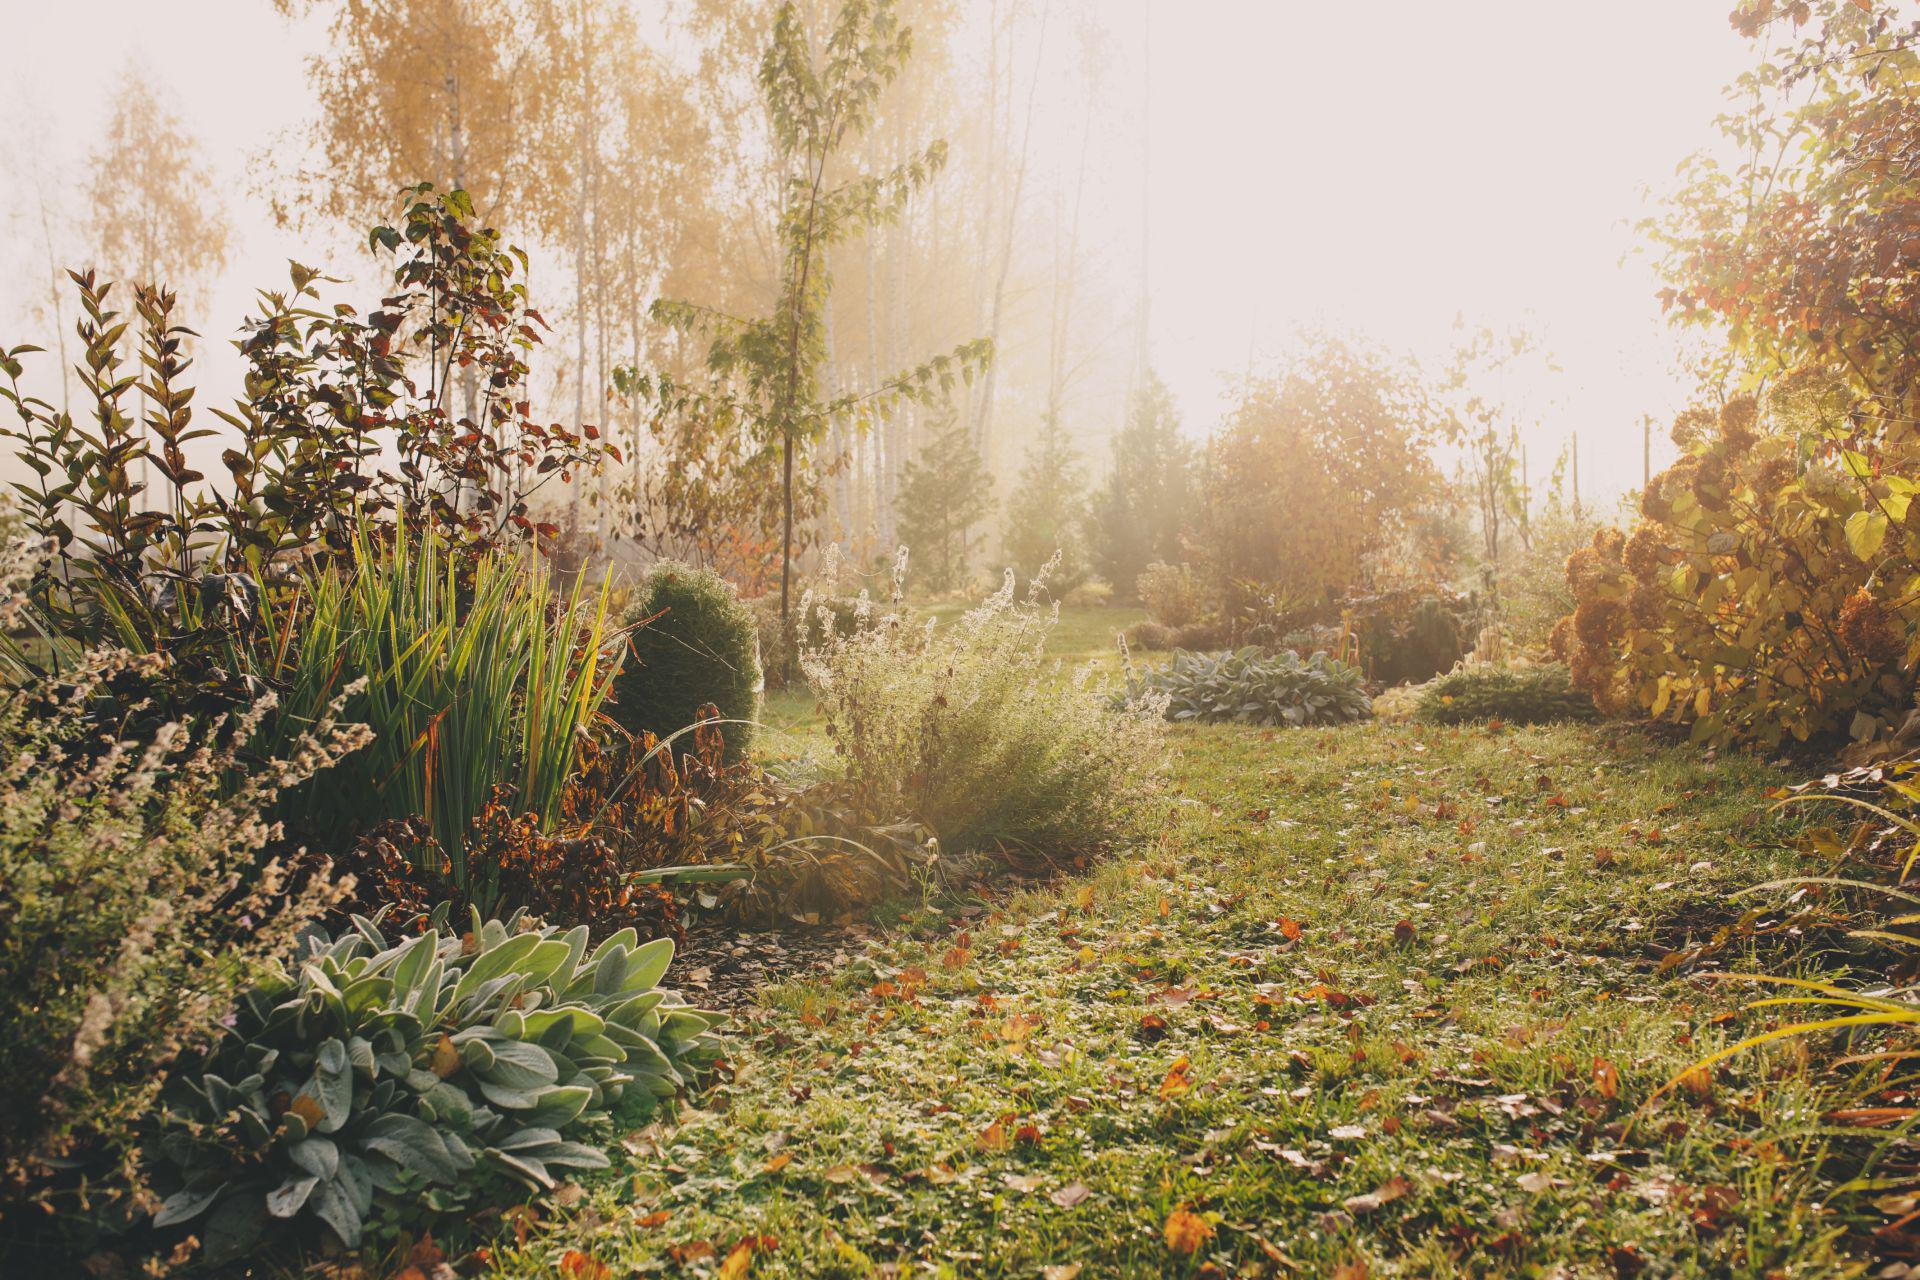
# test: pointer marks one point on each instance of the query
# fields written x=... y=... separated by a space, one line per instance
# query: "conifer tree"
x=1047 y=514
x=944 y=495
x=1140 y=510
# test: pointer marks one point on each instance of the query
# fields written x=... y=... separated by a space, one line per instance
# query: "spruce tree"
x=1142 y=507
x=1047 y=513
x=944 y=494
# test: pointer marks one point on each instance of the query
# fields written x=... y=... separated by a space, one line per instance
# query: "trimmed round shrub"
x=693 y=643
x=1148 y=634
x=1516 y=695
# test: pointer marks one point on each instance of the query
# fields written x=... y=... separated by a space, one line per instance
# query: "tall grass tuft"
x=972 y=729
x=470 y=673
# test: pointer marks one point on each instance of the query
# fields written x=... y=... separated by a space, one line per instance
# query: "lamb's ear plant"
x=1251 y=686
x=390 y=1073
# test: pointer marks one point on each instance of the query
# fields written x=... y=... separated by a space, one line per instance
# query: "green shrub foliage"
x=1252 y=686
x=1173 y=594
x=1517 y=695
x=1410 y=635
x=437 y=1070
x=692 y=645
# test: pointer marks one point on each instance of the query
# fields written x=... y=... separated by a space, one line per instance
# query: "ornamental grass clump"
x=473 y=677
x=970 y=728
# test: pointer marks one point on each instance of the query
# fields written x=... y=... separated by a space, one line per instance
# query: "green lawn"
x=1376 y=1001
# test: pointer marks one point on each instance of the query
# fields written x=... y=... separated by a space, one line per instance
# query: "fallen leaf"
x=778 y=1162
x=575 y=1264
x=1024 y=1181
x=1186 y=1231
x=1606 y=1079
x=1386 y=1193
x=1061 y=1271
x=446 y=1057
x=1070 y=1195
x=1176 y=1082
x=738 y=1260
x=308 y=1108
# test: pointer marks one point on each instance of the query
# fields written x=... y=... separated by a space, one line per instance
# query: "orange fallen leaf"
x=446 y=1057
x=308 y=1108
x=1186 y=1231
x=1176 y=1082
x=574 y=1263
x=1606 y=1079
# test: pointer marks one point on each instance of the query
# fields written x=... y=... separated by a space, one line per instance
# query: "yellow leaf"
x=738 y=1260
x=1866 y=532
